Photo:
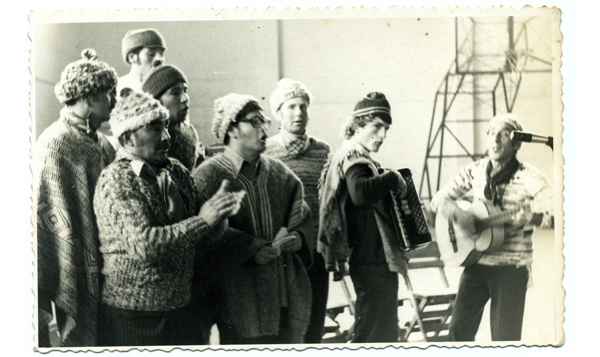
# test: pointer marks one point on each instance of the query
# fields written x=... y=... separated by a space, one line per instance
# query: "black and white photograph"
x=293 y=179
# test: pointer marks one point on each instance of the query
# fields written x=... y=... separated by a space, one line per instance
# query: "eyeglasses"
x=257 y=122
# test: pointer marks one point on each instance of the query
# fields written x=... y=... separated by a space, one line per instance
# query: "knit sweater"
x=254 y=295
x=148 y=260
x=66 y=166
x=307 y=166
x=185 y=145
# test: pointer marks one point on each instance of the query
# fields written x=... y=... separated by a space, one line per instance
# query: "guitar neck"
x=497 y=219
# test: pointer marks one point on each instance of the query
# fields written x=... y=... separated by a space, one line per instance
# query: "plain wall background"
x=340 y=60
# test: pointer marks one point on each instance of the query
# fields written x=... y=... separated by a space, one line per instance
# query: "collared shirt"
x=239 y=162
x=169 y=188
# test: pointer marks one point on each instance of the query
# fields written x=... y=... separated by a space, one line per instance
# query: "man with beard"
x=306 y=156
x=142 y=50
x=67 y=160
x=150 y=218
x=168 y=84
x=267 y=299
x=501 y=275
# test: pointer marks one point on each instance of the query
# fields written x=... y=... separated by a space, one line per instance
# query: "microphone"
x=532 y=138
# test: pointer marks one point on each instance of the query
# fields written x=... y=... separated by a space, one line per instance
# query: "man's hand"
x=221 y=205
x=402 y=188
x=265 y=255
x=341 y=272
x=465 y=221
x=292 y=245
x=524 y=217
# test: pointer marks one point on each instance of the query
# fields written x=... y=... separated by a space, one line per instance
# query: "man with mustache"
x=67 y=160
x=501 y=275
x=142 y=50
x=267 y=299
x=168 y=84
x=150 y=218
x=306 y=156
x=355 y=226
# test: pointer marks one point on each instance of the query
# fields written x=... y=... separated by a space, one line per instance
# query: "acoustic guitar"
x=459 y=248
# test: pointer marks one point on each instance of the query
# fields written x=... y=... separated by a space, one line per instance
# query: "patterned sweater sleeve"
x=457 y=188
x=125 y=213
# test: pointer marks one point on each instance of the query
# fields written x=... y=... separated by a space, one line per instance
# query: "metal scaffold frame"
x=503 y=73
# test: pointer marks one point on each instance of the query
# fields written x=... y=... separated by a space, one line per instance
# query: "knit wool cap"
x=161 y=78
x=85 y=77
x=141 y=38
x=376 y=105
x=134 y=111
x=225 y=110
x=507 y=119
x=288 y=89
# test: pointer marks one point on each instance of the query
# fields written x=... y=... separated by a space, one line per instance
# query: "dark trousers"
x=319 y=280
x=229 y=336
x=505 y=286
x=119 y=327
x=376 y=303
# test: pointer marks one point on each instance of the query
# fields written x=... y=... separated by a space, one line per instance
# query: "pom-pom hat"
x=161 y=78
x=85 y=77
x=225 y=111
x=288 y=89
x=141 y=38
x=134 y=111
x=374 y=104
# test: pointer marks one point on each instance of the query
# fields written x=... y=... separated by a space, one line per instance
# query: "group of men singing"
x=141 y=240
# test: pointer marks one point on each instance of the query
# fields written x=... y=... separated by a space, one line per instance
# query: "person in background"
x=142 y=50
x=267 y=300
x=168 y=84
x=306 y=156
x=355 y=221
x=150 y=217
x=503 y=274
x=67 y=160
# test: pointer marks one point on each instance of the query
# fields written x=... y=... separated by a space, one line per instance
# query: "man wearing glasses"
x=268 y=298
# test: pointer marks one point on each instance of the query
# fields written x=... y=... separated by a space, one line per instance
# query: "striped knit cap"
x=376 y=105
x=85 y=77
x=134 y=111
x=161 y=78
x=225 y=111
x=141 y=38
x=288 y=89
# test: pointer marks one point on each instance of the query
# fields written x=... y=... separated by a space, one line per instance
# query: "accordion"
x=407 y=213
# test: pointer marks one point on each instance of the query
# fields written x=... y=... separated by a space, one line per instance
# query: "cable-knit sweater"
x=66 y=166
x=307 y=165
x=148 y=260
x=254 y=295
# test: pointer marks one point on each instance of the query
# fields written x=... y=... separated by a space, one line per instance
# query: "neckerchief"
x=502 y=176
x=82 y=125
x=295 y=144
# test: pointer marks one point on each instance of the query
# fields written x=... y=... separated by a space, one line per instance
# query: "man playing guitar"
x=501 y=275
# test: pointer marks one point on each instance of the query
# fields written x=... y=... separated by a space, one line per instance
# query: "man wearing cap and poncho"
x=67 y=160
x=169 y=85
x=306 y=156
x=355 y=225
x=267 y=300
x=150 y=217
x=501 y=275
x=142 y=50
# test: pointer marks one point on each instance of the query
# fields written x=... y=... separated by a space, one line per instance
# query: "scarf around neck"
x=502 y=176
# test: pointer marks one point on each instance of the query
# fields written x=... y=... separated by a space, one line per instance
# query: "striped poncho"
x=255 y=294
